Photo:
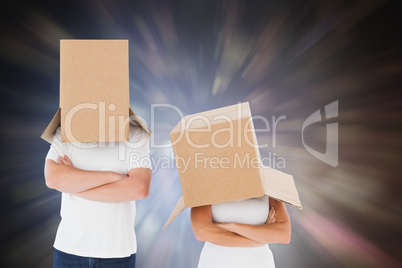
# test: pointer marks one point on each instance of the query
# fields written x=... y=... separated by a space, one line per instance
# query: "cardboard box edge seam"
x=242 y=105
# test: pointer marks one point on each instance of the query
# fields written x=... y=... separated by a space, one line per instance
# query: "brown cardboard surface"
x=94 y=92
x=93 y=72
x=47 y=135
x=205 y=185
x=281 y=186
x=204 y=182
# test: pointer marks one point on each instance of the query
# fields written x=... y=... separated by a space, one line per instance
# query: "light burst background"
x=287 y=58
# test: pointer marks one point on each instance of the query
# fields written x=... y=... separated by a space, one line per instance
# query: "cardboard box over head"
x=94 y=92
x=218 y=160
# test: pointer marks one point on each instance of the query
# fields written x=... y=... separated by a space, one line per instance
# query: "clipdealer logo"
x=331 y=149
x=330 y=156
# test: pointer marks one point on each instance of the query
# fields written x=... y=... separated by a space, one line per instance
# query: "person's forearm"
x=68 y=179
x=127 y=189
x=222 y=237
x=265 y=233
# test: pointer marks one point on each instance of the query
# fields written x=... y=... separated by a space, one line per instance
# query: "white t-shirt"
x=248 y=211
x=97 y=229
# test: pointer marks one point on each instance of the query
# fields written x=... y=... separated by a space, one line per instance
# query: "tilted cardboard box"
x=94 y=92
x=218 y=161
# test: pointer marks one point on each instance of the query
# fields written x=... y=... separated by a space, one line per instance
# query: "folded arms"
x=102 y=186
x=277 y=228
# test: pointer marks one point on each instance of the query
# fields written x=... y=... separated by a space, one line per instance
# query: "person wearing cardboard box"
x=236 y=233
x=229 y=190
x=98 y=158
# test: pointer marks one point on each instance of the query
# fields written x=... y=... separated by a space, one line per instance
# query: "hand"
x=271 y=217
x=64 y=161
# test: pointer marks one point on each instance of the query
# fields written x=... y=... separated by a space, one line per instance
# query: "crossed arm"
x=277 y=228
x=102 y=186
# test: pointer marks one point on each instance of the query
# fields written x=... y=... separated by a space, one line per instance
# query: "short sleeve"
x=57 y=148
x=138 y=149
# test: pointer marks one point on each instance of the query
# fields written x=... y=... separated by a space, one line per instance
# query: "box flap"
x=48 y=134
x=281 y=186
x=214 y=151
x=94 y=87
x=137 y=122
x=176 y=211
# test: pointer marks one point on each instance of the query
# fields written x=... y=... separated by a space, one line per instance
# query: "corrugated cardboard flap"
x=281 y=186
x=136 y=121
x=180 y=206
x=48 y=134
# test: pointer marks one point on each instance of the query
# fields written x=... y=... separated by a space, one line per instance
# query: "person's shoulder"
x=136 y=133
x=136 y=130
